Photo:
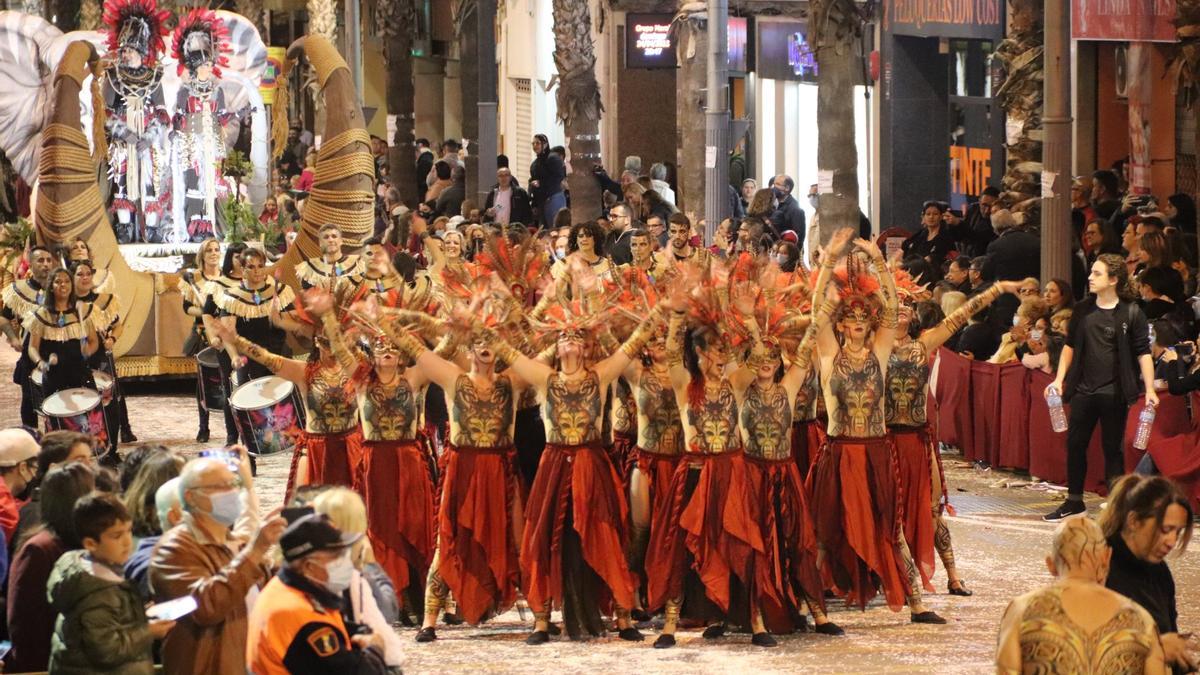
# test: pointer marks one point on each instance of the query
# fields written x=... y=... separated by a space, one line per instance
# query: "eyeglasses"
x=1027 y=291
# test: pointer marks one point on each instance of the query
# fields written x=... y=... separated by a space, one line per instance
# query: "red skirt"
x=620 y=451
x=579 y=479
x=398 y=490
x=333 y=459
x=807 y=439
x=658 y=470
x=717 y=524
x=914 y=454
x=476 y=542
x=790 y=562
x=854 y=486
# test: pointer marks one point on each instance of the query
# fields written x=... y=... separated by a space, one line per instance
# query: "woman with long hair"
x=762 y=205
x=1148 y=519
x=1058 y=295
x=61 y=338
x=197 y=285
x=546 y=176
x=102 y=311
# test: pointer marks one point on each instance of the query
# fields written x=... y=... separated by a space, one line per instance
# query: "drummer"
x=101 y=310
x=331 y=451
x=196 y=286
x=231 y=277
x=332 y=265
x=258 y=309
x=60 y=339
x=22 y=298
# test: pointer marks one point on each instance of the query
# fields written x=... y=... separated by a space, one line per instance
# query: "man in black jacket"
x=975 y=229
x=616 y=244
x=1108 y=345
x=788 y=215
x=507 y=202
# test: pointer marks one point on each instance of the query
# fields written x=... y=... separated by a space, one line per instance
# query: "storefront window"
x=972 y=67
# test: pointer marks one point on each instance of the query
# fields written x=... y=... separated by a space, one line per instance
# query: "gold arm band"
x=963 y=314
x=272 y=361
x=608 y=341
x=405 y=341
x=675 y=339
x=889 y=318
x=337 y=343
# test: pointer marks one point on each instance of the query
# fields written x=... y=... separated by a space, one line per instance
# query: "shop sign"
x=650 y=44
x=970 y=19
x=970 y=169
x=784 y=52
x=1132 y=20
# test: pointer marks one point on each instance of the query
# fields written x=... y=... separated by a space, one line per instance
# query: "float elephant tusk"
x=68 y=201
x=344 y=179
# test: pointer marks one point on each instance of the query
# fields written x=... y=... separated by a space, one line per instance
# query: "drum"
x=104 y=385
x=266 y=414
x=209 y=378
x=35 y=387
x=77 y=410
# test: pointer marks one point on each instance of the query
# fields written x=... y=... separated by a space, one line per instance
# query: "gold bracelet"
x=636 y=342
x=273 y=362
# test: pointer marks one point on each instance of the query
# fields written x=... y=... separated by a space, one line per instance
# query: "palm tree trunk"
x=322 y=19
x=89 y=15
x=397 y=22
x=1020 y=96
x=690 y=82
x=253 y=10
x=579 y=105
x=836 y=28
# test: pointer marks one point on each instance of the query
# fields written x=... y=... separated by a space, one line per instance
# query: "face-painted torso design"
x=481 y=421
x=907 y=382
x=714 y=422
x=767 y=421
x=659 y=428
x=390 y=412
x=331 y=409
x=856 y=397
x=572 y=409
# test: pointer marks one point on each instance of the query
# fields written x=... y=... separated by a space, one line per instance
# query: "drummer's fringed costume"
x=102 y=311
x=855 y=483
x=576 y=515
x=319 y=273
x=706 y=544
x=198 y=290
x=22 y=298
x=251 y=310
x=922 y=481
x=71 y=340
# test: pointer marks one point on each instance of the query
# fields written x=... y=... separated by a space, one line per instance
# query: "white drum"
x=266 y=415
x=79 y=410
x=104 y=385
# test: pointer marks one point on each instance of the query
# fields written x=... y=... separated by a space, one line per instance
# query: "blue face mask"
x=226 y=507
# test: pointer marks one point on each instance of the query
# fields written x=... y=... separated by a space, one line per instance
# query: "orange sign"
x=970 y=169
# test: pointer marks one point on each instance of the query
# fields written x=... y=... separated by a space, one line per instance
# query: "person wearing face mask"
x=1147 y=519
x=788 y=215
x=18 y=459
x=217 y=555
x=296 y=626
x=1054 y=628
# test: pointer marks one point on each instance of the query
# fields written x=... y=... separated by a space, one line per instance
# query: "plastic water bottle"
x=1145 y=422
x=1058 y=418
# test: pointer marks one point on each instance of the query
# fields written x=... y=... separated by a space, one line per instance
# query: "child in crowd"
x=101 y=627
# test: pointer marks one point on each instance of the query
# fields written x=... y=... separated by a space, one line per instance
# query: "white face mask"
x=781 y=259
x=340 y=572
x=560 y=253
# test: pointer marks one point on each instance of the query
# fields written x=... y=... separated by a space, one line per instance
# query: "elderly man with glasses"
x=217 y=555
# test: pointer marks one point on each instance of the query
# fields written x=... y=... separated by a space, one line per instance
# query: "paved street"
x=999 y=539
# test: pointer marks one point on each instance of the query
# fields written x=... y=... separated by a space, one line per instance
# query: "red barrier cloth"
x=1178 y=458
x=985 y=409
x=400 y=514
x=1171 y=419
x=853 y=488
x=954 y=401
x=790 y=559
x=476 y=543
x=914 y=457
x=1014 y=416
x=718 y=524
x=1048 y=450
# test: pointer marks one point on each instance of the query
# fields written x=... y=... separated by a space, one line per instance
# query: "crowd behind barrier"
x=996 y=414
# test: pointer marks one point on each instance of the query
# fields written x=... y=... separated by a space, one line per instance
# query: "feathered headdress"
x=138 y=25
x=201 y=37
x=857 y=286
x=907 y=289
x=519 y=265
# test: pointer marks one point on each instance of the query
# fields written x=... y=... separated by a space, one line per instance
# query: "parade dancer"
x=136 y=119
x=854 y=482
x=333 y=265
x=705 y=548
x=481 y=514
x=575 y=517
x=331 y=450
x=922 y=480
